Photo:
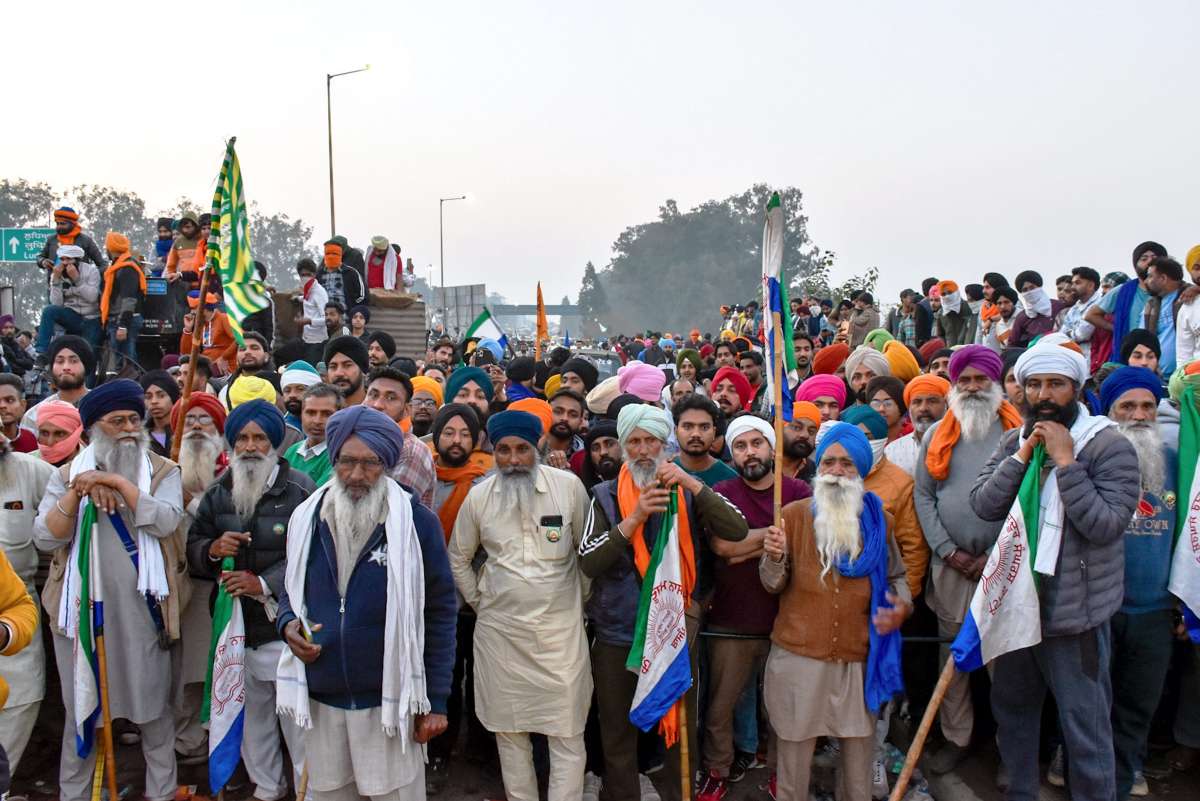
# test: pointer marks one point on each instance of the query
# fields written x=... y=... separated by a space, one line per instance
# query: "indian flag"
x=659 y=654
x=88 y=622
x=1185 y=562
x=1005 y=614
x=229 y=246
x=225 y=687
x=775 y=301
x=486 y=327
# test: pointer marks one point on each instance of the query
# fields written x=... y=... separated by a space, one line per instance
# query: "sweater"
x=1099 y=493
x=1149 y=541
x=221 y=343
x=18 y=612
x=895 y=488
x=315 y=465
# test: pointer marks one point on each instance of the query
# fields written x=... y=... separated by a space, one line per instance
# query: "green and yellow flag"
x=229 y=246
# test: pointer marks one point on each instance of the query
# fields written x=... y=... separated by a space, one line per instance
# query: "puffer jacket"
x=265 y=554
x=1099 y=494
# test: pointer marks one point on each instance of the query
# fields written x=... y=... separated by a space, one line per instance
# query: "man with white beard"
x=625 y=519
x=23 y=479
x=953 y=451
x=368 y=613
x=926 y=399
x=239 y=538
x=139 y=504
x=1142 y=630
x=838 y=572
x=202 y=458
x=531 y=662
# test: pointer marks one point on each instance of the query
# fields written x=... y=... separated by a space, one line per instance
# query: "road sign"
x=23 y=244
x=462 y=303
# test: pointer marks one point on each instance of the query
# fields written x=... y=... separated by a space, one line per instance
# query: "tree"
x=676 y=271
x=816 y=283
x=26 y=205
x=105 y=208
x=592 y=303
x=279 y=242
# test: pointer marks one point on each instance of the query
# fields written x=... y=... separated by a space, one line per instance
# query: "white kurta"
x=532 y=671
x=139 y=671
x=25 y=671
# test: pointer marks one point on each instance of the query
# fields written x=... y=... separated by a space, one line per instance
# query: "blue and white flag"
x=1185 y=564
x=225 y=687
x=775 y=301
x=81 y=616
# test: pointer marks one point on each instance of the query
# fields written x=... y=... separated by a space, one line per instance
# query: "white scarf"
x=404 y=693
x=391 y=266
x=1051 y=511
x=151 y=574
x=951 y=302
x=1036 y=303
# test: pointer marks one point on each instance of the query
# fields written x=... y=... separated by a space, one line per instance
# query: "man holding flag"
x=136 y=502
x=651 y=497
x=835 y=644
x=1066 y=484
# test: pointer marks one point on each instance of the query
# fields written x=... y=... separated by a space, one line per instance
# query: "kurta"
x=25 y=671
x=532 y=671
x=139 y=670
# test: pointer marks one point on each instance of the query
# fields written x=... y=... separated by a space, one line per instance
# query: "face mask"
x=815 y=311
x=1036 y=303
x=877 y=446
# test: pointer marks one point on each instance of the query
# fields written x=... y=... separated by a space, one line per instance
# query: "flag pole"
x=110 y=759
x=777 y=367
x=190 y=369
x=918 y=743
x=302 y=788
x=685 y=771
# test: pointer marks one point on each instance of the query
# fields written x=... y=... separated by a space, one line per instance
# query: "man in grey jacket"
x=1080 y=587
x=74 y=299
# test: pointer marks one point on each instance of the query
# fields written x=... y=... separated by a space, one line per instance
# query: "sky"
x=929 y=138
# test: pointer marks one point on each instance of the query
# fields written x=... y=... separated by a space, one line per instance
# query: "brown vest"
x=174 y=550
x=821 y=618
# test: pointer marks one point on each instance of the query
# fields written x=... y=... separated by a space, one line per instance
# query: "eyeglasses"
x=368 y=464
x=197 y=420
x=424 y=403
x=123 y=420
x=883 y=403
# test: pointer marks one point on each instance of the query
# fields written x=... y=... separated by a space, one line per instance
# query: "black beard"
x=293 y=406
x=454 y=457
x=561 y=431
x=348 y=387
x=420 y=427
x=861 y=396
x=753 y=470
x=68 y=382
x=692 y=449
x=797 y=449
x=608 y=468
x=1047 y=412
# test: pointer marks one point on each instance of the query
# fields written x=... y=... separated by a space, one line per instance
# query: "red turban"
x=205 y=402
x=829 y=358
x=740 y=383
x=931 y=347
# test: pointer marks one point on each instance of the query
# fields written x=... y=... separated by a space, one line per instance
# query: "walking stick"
x=918 y=743
x=302 y=790
x=685 y=772
x=777 y=367
x=98 y=772
x=110 y=759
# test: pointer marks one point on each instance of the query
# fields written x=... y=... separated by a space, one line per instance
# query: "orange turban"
x=927 y=384
x=946 y=287
x=806 y=410
x=116 y=243
x=538 y=408
x=829 y=358
x=904 y=365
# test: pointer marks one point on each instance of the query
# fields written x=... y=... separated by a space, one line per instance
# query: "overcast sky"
x=929 y=138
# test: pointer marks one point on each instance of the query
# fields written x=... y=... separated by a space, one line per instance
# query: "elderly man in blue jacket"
x=369 y=615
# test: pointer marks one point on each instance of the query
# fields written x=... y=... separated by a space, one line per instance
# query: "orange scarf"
x=69 y=237
x=627 y=498
x=937 y=459
x=989 y=310
x=463 y=478
x=110 y=278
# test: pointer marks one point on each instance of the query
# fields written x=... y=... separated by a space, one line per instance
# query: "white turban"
x=299 y=375
x=1054 y=359
x=746 y=423
x=654 y=421
x=70 y=251
x=873 y=360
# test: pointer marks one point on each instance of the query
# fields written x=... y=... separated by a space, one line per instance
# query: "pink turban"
x=981 y=357
x=642 y=380
x=65 y=416
x=822 y=386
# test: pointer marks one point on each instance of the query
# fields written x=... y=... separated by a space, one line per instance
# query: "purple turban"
x=377 y=431
x=981 y=357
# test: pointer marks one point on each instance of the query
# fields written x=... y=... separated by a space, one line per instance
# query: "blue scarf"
x=1121 y=322
x=516 y=392
x=884 y=679
x=162 y=247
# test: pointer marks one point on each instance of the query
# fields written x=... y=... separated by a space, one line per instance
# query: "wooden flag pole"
x=777 y=368
x=685 y=770
x=302 y=789
x=918 y=743
x=190 y=370
x=110 y=759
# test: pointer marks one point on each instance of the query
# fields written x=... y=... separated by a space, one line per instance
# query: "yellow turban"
x=1193 y=257
x=553 y=384
x=900 y=359
x=422 y=384
x=250 y=387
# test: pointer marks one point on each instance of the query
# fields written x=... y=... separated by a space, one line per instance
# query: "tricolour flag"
x=543 y=330
x=775 y=301
x=88 y=623
x=1185 y=562
x=229 y=246
x=659 y=654
x=486 y=327
x=1005 y=614
x=225 y=687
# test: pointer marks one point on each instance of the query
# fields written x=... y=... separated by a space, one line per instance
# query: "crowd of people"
x=440 y=558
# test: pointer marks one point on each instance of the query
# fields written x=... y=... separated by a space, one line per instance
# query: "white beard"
x=355 y=520
x=836 y=527
x=251 y=472
x=1147 y=442
x=976 y=411
x=5 y=462
x=198 y=453
x=644 y=473
x=516 y=488
x=122 y=455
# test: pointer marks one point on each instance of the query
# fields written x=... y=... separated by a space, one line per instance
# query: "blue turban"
x=851 y=438
x=1124 y=379
x=493 y=347
x=377 y=431
x=267 y=415
x=123 y=394
x=864 y=415
x=651 y=419
x=463 y=376
x=514 y=424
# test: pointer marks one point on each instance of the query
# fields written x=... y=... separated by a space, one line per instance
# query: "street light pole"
x=442 y=255
x=329 y=122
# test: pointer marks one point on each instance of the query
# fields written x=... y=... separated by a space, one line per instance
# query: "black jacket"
x=265 y=554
